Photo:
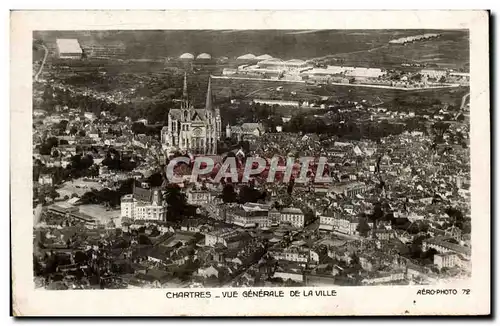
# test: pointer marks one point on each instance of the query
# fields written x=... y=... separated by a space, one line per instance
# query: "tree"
x=378 y=213
x=250 y=195
x=363 y=228
x=417 y=77
x=139 y=128
x=62 y=125
x=228 y=194
x=53 y=194
x=155 y=179
x=144 y=240
x=80 y=258
x=176 y=202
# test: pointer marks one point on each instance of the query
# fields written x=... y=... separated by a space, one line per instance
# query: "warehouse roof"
x=68 y=45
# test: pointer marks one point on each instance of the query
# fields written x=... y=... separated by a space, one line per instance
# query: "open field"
x=267 y=89
x=99 y=212
x=77 y=186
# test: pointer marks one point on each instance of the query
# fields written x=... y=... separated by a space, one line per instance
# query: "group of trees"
x=458 y=219
x=159 y=90
x=178 y=208
x=47 y=146
x=107 y=196
x=350 y=129
x=82 y=166
x=247 y=194
x=115 y=161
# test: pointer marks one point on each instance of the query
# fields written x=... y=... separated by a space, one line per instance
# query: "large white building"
x=68 y=49
x=144 y=204
x=293 y=216
x=191 y=129
x=356 y=72
x=334 y=221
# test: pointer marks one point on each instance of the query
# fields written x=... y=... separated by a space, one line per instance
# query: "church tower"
x=196 y=130
x=185 y=105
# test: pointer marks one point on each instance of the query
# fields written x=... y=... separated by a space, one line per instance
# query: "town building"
x=342 y=223
x=274 y=216
x=384 y=277
x=442 y=246
x=433 y=73
x=293 y=216
x=192 y=129
x=277 y=102
x=45 y=179
x=245 y=131
x=447 y=260
x=248 y=216
x=144 y=204
x=229 y=238
x=327 y=221
x=199 y=197
x=351 y=189
x=296 y=254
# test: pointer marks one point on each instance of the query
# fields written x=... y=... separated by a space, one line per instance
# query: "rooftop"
x=68 y=46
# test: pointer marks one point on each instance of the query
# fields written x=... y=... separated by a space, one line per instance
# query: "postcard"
x=250 y=163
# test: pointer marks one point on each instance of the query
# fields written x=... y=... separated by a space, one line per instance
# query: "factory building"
x=68 y=49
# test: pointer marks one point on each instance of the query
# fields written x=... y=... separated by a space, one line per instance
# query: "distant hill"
x=285 y=44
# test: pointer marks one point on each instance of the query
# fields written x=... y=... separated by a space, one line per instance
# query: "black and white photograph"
x=251 y=160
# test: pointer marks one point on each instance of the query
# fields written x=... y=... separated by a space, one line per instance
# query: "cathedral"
x=191 y=129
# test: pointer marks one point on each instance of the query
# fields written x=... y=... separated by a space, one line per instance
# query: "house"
x=156 y=256
x=442 y=246
x=228 y=238
x=89 y=116
x=208 y=271
x=274 y=216
x=384 y=277
x=199 y=197
x=384 y=234
x=447 y=260
x=292 y=254
x=248 y=216
x=45 y=179
x=288 y=272
x=327 y=221
x=351 y=189
x=342 y=223
x=245 y=131
x=342 y=254
x=293 y=216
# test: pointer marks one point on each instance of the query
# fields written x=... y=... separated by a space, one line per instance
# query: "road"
x=43 y=62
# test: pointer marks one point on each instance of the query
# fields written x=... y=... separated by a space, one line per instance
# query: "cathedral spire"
x=185 y=88
x=208 y=103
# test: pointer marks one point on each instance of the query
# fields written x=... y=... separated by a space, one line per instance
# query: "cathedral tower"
x=198 y=130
